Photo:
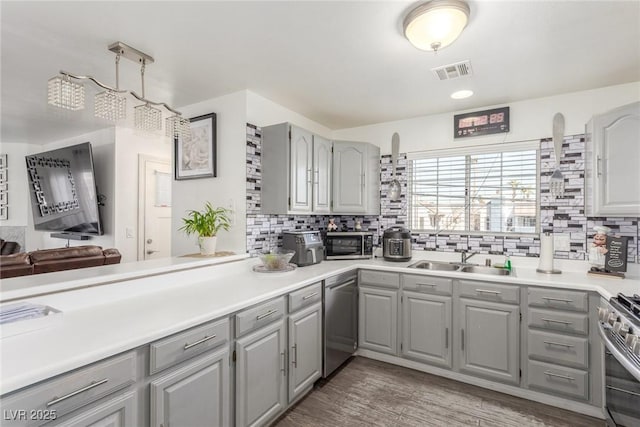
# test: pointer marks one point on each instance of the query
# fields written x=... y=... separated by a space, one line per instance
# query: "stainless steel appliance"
x=619 y=325
x=349 y=245
x=307 y=245
x=340 y=320
x=396 y=244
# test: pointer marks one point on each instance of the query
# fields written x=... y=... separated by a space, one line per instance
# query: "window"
x=486 y=189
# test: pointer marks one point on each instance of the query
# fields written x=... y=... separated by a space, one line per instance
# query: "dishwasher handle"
x=338 y=285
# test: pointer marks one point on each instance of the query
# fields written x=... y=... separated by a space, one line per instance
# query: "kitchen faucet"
x=466 y=255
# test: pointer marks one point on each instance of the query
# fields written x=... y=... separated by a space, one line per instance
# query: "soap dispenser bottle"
x=507 y=263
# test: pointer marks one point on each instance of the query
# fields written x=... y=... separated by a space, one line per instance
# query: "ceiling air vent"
x=453 y=71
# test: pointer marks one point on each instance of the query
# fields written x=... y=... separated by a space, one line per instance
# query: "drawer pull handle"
x=206 y=338
x=309 y=296
x=558 y=344
x=94 y=384
x=294 y=362
x=623 y=391
x=268 y=313
x=565 y=377
x=563 y=322
x=557 y=299
x=487 y=291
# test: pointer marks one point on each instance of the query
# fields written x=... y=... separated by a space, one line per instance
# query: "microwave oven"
x=348 y=245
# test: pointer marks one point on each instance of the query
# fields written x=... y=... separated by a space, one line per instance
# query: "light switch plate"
x=129 y=232
x=561 y=242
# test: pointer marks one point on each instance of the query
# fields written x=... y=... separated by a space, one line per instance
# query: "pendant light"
x=436 y=24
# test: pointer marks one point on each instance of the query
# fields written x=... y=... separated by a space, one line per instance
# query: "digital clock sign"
x=481 y=123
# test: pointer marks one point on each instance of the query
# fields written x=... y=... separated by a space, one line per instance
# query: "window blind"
x=482 y=191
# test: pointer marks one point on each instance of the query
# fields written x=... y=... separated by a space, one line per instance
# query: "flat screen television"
x=63 y=192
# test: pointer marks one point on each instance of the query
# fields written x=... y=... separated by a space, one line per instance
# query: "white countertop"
x=102 y=321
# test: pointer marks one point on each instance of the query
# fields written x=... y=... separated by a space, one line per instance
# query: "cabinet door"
x=378 y=320
x=117 y=412
x=301 y=169
x=195 y=395
x=349 y=177
x=426 y=328
x=261 y=373
x=321 y=174
x=617 y=144
x=305 y=349
x=489 y=339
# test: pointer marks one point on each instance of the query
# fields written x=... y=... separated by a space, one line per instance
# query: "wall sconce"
x=436 y=24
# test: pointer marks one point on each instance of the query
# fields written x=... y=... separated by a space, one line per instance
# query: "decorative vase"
x=207 y=245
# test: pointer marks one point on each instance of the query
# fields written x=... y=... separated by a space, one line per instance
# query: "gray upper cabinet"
x=489 y=339
x=296 y=171
x=322 y=159
x=356 y=178
x=194 y=395
x=378 y=320
x=612 y=176
x=301 y=169
x=261 y=373
x=305 y=350
x=426 y=328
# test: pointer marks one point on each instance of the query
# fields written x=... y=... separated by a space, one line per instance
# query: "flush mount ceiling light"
x=436 y=24
x=462 y=94
x=111 y=104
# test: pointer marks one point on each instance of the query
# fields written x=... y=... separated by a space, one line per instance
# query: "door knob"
x=149 y=241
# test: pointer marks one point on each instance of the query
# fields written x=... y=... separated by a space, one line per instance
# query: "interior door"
x=155 y=208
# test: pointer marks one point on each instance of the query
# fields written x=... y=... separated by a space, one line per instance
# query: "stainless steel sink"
x=462 y=268
x=431 y=265
x=485 y=270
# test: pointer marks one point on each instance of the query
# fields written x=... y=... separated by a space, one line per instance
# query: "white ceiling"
x=340 y=63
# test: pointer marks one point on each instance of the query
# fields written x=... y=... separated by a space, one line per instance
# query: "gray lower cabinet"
x=490 y=339
x=194 y=395
x=261 y=375
x=305 y=350
x=426 y=328
x=378 y=319
x=117 y=412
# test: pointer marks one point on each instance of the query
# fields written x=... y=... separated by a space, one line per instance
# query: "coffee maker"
x=307 y=245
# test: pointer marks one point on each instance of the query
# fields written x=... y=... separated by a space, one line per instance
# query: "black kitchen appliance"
x=307 y=245
x=619 y=321
x=349 y=245
x=396 y=244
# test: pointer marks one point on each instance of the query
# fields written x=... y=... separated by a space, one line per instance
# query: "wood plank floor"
x=371 y=393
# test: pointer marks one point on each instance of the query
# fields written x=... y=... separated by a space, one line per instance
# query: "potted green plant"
x=206 y=224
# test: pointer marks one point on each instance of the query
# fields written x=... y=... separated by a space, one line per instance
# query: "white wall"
x=228 y=189
x=530 y=119
x=264 y=112
x=129 y=144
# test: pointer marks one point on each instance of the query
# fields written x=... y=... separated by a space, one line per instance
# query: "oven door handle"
x=620 y=357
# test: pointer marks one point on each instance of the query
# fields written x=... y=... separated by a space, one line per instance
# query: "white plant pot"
x=207 y=245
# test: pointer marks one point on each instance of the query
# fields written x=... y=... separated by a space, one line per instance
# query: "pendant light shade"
x=436 y=24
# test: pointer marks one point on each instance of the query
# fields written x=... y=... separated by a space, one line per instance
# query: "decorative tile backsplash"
x=562 y=215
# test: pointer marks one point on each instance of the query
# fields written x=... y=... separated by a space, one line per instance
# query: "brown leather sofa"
x=49 y=260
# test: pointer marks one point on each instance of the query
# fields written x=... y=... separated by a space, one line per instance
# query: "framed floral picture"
x=196 y=157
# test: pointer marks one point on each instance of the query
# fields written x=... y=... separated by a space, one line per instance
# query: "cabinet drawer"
x=255 y=317
x=184 y=345
x=558 y=379
x=70 y=391
x=305 y=297
x=558 y=298
x=575 y=323
x=489 y=291
x=558 y=348
x=379 y=278
x=426 y=284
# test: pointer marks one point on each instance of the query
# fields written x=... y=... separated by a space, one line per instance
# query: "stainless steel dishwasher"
x=340 y=320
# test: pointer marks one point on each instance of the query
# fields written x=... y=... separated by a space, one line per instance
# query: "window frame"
x=467 y=152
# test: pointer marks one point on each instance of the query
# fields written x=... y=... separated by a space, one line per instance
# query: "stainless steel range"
x=620 y=329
